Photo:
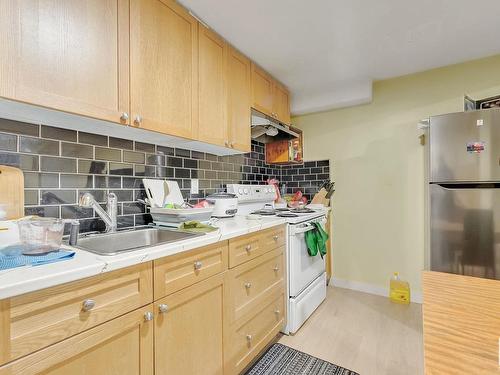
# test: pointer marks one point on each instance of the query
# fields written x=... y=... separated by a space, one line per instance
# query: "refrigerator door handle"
x=469 y=185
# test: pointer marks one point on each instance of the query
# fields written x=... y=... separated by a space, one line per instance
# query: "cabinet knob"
x=248 y=285
x=148 y=316
x=137 y=120
x=124 y=116
x=197 y=265
x=276 y=268
x=88 y=305
x=249 y=338
x=248 y=248
x=275 y=238
x=277 y=312
x=163 y=307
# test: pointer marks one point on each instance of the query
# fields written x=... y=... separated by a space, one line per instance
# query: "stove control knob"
x=245 y=191
x=240 y=191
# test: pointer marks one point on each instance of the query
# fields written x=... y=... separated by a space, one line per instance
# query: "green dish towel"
x=316 y=240
x=196 y=227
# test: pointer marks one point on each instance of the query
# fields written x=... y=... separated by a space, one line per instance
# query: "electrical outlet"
x=194 y=186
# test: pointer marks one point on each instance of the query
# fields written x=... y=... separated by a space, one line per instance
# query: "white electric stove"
x=306 y=275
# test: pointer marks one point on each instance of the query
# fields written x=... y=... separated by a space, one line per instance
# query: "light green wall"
x=378 y=167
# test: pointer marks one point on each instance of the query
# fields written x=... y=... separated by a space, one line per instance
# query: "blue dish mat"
x=12 y=257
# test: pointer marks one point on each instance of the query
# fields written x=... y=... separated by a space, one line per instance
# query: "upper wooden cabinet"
x=269 y=96
x=262 y=91
x=66 y=55
x=163 y=68
x=239 y=100
x=212 y=114
x=281 y=103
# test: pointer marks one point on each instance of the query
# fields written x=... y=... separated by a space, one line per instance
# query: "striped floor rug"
x=282 y=360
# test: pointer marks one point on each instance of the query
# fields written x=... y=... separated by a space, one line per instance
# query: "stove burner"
x=282 y=209
x=264 y=212
x=302 y=211
x=287 y=214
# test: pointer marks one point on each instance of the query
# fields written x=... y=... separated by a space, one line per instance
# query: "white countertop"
x=17 y=281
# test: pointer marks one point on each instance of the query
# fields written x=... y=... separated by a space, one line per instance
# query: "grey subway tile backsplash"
x=41 y=180
x=92 y=167
x=58 y=133
x=55 y=164
x=17 y=127
x=92 y=139
x=145 y=147
x=8 y=142
x=55 y=177
x=134 y=157
x=75 y=150
x=22 y=161
x=38 y=146
x=124 y=144
x=111 y=154
x=58 y=197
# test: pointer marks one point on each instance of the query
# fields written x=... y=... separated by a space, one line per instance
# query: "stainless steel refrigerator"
x=465 y=193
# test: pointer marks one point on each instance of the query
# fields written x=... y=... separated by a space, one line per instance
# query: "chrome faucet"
x=87 y=200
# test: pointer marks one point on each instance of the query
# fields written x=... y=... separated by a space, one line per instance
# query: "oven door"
x=303 y=268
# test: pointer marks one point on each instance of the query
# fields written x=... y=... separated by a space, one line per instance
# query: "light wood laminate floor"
x=365 y=333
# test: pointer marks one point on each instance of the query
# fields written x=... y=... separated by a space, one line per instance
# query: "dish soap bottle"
x=399 y=290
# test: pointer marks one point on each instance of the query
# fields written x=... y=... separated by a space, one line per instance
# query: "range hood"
x=266 y=129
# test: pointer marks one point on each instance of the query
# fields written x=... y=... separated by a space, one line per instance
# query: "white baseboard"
x=416 y=297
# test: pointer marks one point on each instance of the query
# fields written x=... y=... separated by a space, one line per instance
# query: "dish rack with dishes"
x=167 y=206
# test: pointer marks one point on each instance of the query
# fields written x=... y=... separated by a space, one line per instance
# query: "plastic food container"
x=40 y=235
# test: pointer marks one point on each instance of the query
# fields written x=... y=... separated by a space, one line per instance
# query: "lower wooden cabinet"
x=188 y=330
x=121 y=346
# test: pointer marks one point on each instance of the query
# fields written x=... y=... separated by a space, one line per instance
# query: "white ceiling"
x=328 y=52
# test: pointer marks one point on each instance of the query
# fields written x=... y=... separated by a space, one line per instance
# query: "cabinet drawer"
x=251 y=282
x=245 y=248
x=252 y=334
x=33 y=321
x=184 y=269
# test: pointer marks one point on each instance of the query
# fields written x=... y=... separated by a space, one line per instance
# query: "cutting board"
x=12 y=191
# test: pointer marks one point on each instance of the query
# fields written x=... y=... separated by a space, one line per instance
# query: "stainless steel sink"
x=130 y=240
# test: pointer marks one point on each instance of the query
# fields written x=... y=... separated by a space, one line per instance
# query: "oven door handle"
x=303 y=229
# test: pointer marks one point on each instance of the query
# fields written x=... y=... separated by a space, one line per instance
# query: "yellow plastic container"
x=399 y=290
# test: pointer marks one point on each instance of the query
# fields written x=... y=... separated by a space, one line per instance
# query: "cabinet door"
x=188 y=330
x=239 y=100
x=163 y=67
x=121 y=346
x=212 y=114
x=281 y=102
x=262 y=90
x=66 y=55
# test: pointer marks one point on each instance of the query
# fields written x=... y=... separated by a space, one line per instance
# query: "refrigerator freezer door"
x=465 y=146
x=465 y=229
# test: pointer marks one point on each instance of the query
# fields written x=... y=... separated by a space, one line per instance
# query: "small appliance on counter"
x=224 y=204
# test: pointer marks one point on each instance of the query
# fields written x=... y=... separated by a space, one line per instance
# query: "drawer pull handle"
x=249 y=338
x=248 y=248
x=275 y=237
x=248 y=285
x=148 y=316
x=277 y=312
x=276 y=268
x=197 y=265
x=163 y=307
x=88 y=305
